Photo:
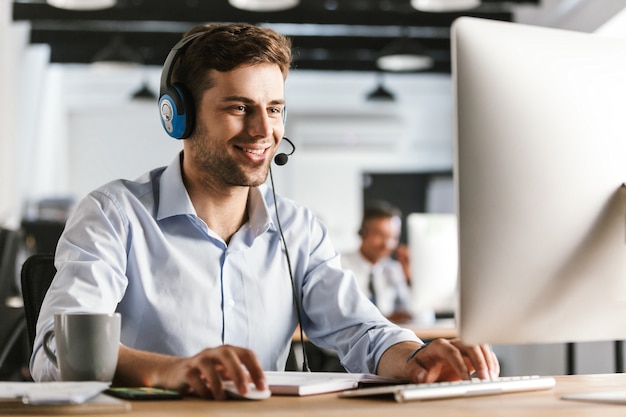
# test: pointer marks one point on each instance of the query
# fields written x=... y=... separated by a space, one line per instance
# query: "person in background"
x=401 y=254
x=194 y=254
x=379 y=276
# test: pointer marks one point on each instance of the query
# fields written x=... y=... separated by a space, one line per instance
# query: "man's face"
x=380 y=237
x=238 y=127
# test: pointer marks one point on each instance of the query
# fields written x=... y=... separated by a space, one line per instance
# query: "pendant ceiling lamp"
x=82 y=4
x=442 y=6
x=380 y=93
x=264 y=5
x=117 y=54
x=144 y=93
x=404 y=55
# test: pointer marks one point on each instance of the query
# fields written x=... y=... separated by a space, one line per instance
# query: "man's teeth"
x=254 y=151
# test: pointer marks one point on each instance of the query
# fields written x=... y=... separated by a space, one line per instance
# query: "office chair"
x=41 y=236
x=13 y=325
x=37 y=274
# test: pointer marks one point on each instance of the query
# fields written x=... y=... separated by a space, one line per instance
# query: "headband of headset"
x=175 y=102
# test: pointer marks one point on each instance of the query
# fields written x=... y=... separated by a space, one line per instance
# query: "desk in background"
x=535 y=404
x=444 y=328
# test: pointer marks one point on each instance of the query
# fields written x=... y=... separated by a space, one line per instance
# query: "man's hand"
x=201 y=374
x=441 y=360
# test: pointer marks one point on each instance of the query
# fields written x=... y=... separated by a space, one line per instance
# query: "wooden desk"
x=445 y=328
x=534 y=404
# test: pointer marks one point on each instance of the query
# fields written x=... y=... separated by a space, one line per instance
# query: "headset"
x=176 y=106
x=175 y=102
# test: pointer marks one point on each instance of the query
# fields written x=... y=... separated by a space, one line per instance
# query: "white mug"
x=87 y=345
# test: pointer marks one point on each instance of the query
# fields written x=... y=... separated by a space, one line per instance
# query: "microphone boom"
x=282 y=158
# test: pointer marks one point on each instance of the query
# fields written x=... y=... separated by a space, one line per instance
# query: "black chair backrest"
x=12 y=324
x=41 y=236
x=37 y=274
x=9 y=248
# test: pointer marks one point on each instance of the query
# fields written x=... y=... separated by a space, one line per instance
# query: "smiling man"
x=192 y=256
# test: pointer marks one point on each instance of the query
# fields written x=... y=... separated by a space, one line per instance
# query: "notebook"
x=56 y=392
x=442 y=390
x=100 y=404
x=311 y=383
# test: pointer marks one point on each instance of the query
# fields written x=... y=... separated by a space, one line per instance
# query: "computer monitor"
x=540 y=164
x=433 y=256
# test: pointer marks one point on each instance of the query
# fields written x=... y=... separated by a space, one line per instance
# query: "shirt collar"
x=259 y=217
x=174 y=199
x=374 y=268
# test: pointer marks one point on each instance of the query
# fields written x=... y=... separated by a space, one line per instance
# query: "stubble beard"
x=217 y=165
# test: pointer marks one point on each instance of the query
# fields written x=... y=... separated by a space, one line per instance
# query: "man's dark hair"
x=376 y=210
x=225 y=47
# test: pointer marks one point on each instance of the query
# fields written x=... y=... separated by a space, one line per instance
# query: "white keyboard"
x=441 y=390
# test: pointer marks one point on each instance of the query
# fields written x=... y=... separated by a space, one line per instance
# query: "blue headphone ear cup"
x=177 y=119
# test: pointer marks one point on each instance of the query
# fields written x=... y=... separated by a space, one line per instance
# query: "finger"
x=496 y=362
x=242 y=366
x=443 y=358
x=214 y=382
x=255 y=370
x=198 y=385
x=438 y=374
x=478 y=357
x=416 y=372
x=456 y=360
x=493 y=366
x=489 y=361
x=210 y=366
x=228 y=357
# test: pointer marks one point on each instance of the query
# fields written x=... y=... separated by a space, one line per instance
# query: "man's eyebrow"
x=247 y=100
x=237 y=98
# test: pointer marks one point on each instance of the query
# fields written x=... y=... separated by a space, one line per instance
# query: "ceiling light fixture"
x=404 y=55
x=442 y=6
x=117 y=54
x=380 y=93
x=144 y=93
x=264 y=5
x=82 y=4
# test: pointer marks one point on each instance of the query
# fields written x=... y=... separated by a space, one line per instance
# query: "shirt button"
x=231 y=303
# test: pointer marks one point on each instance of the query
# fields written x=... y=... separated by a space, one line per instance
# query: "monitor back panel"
x=540 y=161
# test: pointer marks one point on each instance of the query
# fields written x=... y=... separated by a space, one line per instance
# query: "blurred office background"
x=69 y=125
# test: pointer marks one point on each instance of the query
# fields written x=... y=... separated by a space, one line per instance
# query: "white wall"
x=107 y=142
x=13 y=41
x=338 y=135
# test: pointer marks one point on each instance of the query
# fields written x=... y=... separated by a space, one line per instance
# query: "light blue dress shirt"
x=392 y=292
x=138 y=247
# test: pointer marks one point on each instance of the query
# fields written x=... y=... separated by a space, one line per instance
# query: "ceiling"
x=337 y=35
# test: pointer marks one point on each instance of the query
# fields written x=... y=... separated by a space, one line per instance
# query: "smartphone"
x=143 y=393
